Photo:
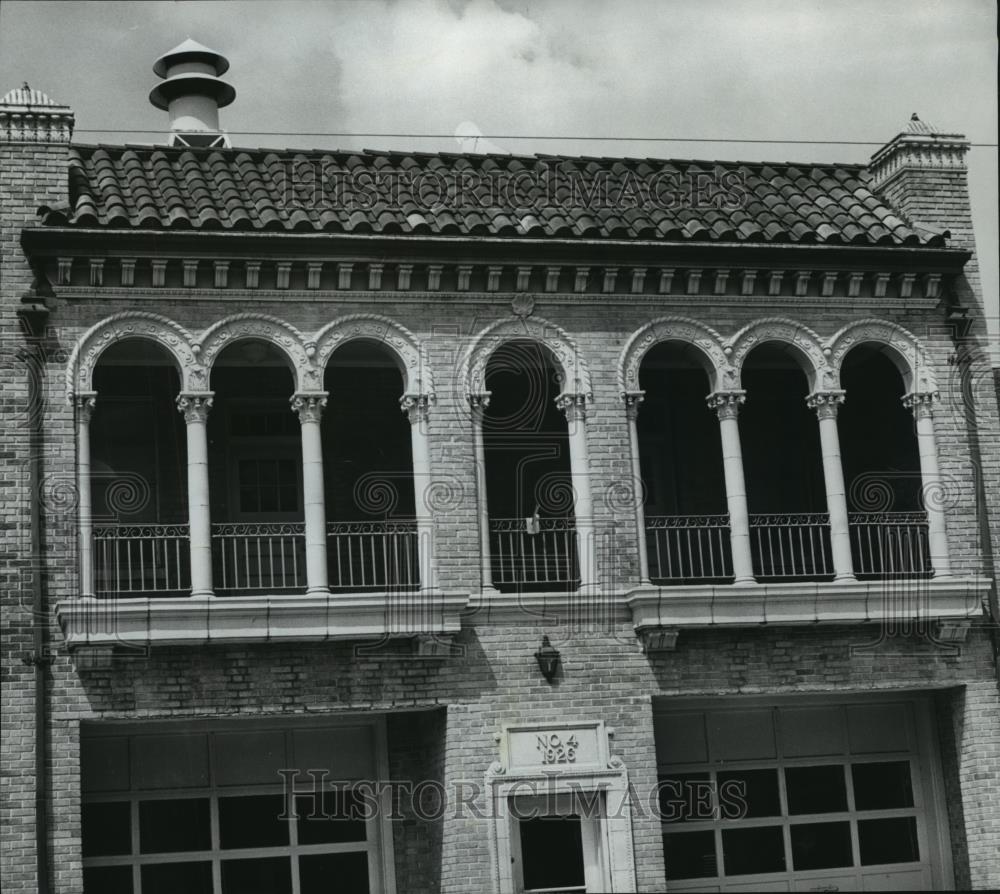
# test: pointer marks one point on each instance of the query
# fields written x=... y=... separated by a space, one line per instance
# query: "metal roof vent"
x=192 y=94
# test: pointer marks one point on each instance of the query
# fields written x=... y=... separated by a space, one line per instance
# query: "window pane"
x=686 y=796
x=882 y=786
x=252 y=821
x=815 y=789
x=107 y=829
x=752 y=851
x=267 y=875
x=552 y=852
x=748 y=793
x=888 y=841
x=690 y=855
x=170 y=878
x=333 y=821
x=326 y=873
x=181 y=825
x=107 y=880
x=821 y=845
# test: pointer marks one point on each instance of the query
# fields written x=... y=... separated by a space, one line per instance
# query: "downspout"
x=33 y=316
x=967 y=347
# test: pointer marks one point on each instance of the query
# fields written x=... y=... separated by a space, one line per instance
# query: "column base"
x=745 y=581
x=202 y=594
x=318 y=591
x=845 y=579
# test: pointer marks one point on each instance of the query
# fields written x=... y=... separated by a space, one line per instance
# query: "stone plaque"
x=543 y=748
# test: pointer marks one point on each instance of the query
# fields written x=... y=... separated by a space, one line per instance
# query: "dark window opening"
x=529 y=488
x=552 y=852
x=786 y=492
x=680 y=456
x=881 y=463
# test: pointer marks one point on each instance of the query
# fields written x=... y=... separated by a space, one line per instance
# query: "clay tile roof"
x=542 y=196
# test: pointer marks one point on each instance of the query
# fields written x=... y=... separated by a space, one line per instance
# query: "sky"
x=694 y=71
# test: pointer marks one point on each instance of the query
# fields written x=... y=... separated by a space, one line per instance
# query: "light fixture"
x=548 y=659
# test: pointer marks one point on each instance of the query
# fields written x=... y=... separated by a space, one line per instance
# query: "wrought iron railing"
x=791 y=546
x=890 y=544
x=253 y=557
x=375 y=555
x=683 y=548
x=141 y=560
x=534 y=554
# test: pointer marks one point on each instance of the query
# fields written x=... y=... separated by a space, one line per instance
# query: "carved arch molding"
x=194 y=354
x=307 y=355
x=821 y=360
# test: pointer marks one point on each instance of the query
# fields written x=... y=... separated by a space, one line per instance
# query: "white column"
x=309 y=406
x=195 y=407
x=574 y=405
x=417 y=409
x=727 y=407
x=922 y=406
x=85 y=403
x=825 y=404
x=632 y=401
x=479 y=403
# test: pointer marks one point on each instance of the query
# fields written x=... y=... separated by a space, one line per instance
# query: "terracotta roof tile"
x=453 y=194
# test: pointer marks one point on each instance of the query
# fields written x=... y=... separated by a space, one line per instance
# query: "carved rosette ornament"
x=85 y=402
x=726 y=403
x=309 y=405
x=632 y=400
x=825 y=403
x=194 y=406
x=574 y=404
x=920 y=403
x=416 y=406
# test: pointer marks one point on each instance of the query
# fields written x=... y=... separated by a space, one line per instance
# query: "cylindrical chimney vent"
x=192 y=94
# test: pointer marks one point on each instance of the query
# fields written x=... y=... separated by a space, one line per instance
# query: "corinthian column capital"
x=632 y=400
x=921 y=403
x=416 y=406
x=195 y=405
x=726 y=403
x=309 y=405
x=574 y=404
x=825 y=403
x=85 y=402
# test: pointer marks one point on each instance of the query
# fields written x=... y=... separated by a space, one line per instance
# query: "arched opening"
x=786 y=491
x=881 y=462
x=680 y=456
x=138 y=474
x=529 y=486
x=255 y=473
x=368 y=472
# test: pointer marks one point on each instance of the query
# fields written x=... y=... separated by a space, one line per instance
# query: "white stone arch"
x=403 y=345
x=171 y=336
x=898 y=344
x=277 y=332
x=572 y=368
x=804 y=343
x=706 y=341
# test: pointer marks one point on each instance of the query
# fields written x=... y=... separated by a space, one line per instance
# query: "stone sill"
x=807 y=602
x=187 y=621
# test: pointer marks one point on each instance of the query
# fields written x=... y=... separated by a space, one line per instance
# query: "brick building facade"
x=775 y=618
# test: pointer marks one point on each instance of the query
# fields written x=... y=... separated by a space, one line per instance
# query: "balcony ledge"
x=254 y=619
x=806 y=602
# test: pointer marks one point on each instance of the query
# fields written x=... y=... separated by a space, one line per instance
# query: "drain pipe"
x=33 y=316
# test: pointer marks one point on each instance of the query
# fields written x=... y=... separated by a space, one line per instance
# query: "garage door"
x=206 y=809
x=800 y=796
